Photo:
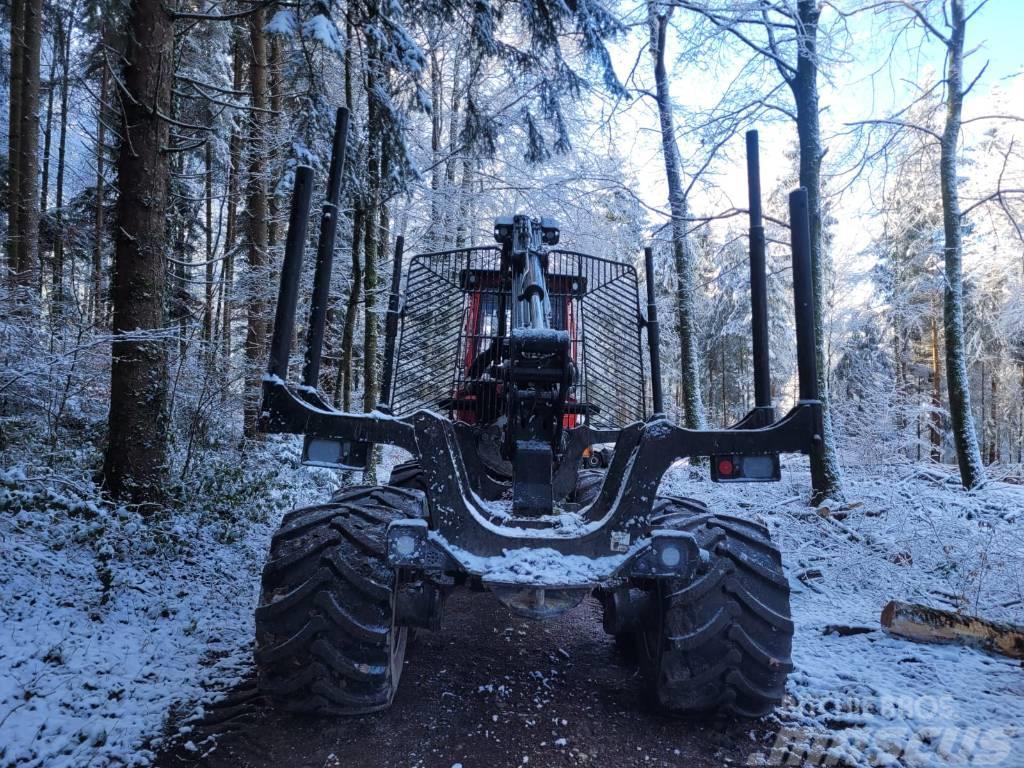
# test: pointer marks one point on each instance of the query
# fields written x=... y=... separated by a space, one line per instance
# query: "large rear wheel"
x=723 y=640
x=326 y=639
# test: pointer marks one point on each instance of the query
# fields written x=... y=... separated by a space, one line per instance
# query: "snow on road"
x=111 y=628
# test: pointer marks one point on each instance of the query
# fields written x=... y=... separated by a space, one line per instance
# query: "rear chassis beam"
x=614 y=530
x=613 y=535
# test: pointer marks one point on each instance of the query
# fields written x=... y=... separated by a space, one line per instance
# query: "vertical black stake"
x=758 y=280
x=291 y=270
x=325 y=254
x=803 y=294
x=391 y=323
x=653 y=334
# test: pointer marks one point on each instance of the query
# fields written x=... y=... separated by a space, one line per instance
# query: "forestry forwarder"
x=513 y=362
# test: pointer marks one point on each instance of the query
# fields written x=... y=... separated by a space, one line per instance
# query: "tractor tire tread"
x=726 y=635
x=325 y=643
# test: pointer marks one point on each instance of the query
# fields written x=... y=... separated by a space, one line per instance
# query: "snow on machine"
x=505 y=368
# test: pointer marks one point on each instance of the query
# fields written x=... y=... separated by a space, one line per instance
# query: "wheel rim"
x=652 y=637
x=397 y=640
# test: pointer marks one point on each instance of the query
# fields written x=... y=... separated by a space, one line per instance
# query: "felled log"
x=933 y=625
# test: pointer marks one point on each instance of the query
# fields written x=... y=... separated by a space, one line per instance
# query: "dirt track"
x=488 y=691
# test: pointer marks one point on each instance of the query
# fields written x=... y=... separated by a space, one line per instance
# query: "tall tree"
x=65 y=27
x=234 y=173
x=14 y=133
x=682 y=252
x=97 y=303
x=136 y=454
x=27 y=193
x=257 y=229
x=968 y=453
x=954 y=20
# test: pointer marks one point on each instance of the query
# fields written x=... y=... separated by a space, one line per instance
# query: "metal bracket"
x=672 y=554
x=409 y=546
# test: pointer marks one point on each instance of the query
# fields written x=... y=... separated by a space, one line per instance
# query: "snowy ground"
x=909 y=533
x=109 y=624
x=111 y=627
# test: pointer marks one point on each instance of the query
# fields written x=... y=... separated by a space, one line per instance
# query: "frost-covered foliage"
x=113 y=620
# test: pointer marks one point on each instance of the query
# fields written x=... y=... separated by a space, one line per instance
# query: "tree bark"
x=135 y=463
x=936 y=417
x=825 y=472
x=968 y=453
x=58 y=244
x=14 y=134
x=96 y=301
x=256 y=224
x=448 y=210
x=208 y=229
x=273 y=149
x=343 y=386
x=28 y=149
x=436 y=226
x=993 y=437
x=44 y=185
x=682 y=254
x=923 y=624
x=370 y=249
x=230 y=233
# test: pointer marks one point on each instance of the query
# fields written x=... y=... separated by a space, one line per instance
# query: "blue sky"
x=870 y=82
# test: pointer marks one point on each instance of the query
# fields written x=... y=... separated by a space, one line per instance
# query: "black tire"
x=588 y=485
x=408 y=474
x=723 y=640
x=326 y=641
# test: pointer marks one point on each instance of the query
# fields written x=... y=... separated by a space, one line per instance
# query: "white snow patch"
x=111 y=623
x=540 y=566
x=911 y=534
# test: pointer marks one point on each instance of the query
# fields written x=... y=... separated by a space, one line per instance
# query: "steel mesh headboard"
x=595 y=299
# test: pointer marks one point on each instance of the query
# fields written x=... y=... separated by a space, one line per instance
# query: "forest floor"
x=121 y=648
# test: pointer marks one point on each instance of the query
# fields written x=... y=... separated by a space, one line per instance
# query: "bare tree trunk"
x=343 y=386
x=58 y=244
x=371 y=251
x=968 y=454
x=44 y=185
x=825 y=473
x=256 y=330
x=135 y=461
x=230 y=234
x=436 y=227
x=96 y=303
x=178 y=295
x=993 y=436
x=14 y=133
x=28 y=149
x=936 y=418
x=448 y=211
x=271 y=145
x=689 y=359
x=465 y=193
x=208 y=304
